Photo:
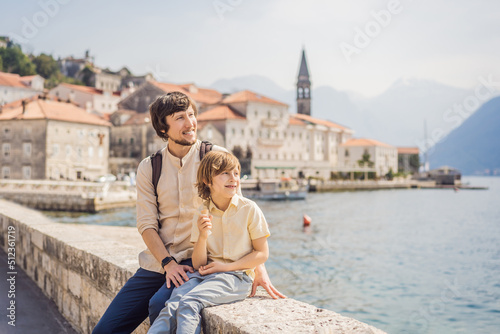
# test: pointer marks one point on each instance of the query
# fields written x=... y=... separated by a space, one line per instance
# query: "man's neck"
x=177 y=150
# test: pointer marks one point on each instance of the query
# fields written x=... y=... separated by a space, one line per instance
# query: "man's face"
x=182 y=127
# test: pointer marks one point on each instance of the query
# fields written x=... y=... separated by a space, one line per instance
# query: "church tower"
x=303 y=88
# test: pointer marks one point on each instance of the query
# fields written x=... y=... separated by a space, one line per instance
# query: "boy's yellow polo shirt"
x=232 y=230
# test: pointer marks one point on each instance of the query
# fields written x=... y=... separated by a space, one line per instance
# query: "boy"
x=230 y=240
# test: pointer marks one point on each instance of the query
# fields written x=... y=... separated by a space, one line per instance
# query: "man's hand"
x=176 y=273
x=262 y=279
x=214 y=267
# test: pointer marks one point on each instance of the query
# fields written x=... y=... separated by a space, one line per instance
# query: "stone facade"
x=281 y=144
x=383 y=156
x=91 y=99
x=45 y=139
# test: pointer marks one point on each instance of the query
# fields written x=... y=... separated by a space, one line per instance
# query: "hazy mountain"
x=399 y=113
x=474 y=146
x=396 y=116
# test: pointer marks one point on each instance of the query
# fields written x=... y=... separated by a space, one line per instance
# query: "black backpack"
x=156 y=162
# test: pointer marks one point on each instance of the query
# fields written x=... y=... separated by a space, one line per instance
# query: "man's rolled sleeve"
x=147 y=210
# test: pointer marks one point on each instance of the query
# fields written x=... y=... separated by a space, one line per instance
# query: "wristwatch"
x=167 y=260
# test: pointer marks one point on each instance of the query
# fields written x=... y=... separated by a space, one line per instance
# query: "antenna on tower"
x=426 y=153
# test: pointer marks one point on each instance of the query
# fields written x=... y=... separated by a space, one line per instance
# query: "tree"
x=365 y=160
x=46 y=66
x=1 y=64
x=15 y=61
x=238 y=152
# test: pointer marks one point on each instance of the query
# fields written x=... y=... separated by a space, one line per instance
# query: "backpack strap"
x=205 y=147
x=156 y=162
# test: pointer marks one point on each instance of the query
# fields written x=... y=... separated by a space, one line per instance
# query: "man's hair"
x=213 y=164
x=166 y=105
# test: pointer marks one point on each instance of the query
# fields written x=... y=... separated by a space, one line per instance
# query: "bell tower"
x=303 y=88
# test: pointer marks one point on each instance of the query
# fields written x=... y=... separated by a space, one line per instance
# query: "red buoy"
x=307 y=220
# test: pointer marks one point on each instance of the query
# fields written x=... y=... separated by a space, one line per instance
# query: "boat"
x=275 y=189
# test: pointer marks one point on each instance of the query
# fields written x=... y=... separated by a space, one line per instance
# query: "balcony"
x=270 y=122
x=274 y=142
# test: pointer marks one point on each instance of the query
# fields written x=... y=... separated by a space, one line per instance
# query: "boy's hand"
x=214 y=267
x=205 y=224
x=262 y=279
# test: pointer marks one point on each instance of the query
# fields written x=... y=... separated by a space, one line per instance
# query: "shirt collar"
x=235 y=201
x=176 y=161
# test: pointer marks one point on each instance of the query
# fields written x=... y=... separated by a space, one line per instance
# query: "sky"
x=361 y=47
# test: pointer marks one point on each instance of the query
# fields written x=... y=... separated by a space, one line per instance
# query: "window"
x=27 y=131
x=91 y=152
x=68 y=151
x=27 y=149
x=301 y=93
x=55 y=150
x=210 y=134
x=268 y=114
x=26 y=172
x=6 y=131
x=100 y=152
x=6 y=172
x=131 y=141
x=346 y=153
x=6 y=150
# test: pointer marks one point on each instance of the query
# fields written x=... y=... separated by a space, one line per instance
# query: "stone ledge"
x=79 y=267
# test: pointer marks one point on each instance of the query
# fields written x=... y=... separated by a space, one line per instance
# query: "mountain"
x=395 y=117
x=474 y=146
x=399 y=113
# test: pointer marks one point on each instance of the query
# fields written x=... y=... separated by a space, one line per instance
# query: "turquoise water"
x=405 y=261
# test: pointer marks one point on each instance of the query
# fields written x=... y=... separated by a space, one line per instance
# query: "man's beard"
x=183 y=142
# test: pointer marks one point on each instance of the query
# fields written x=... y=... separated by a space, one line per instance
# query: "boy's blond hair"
x=213 y=164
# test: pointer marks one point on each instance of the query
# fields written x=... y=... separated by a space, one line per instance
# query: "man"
x=164 y=264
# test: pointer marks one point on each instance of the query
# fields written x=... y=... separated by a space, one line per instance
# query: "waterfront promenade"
x=82 y=267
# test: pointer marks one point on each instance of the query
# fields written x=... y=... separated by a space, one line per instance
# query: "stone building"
x=48 y=139
x=144 y=95
x=89 y=98
x=278 y=143
x=132 y=139
x=14 y=87
x=367 y=155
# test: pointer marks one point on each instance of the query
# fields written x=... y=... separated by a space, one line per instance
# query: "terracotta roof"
x=295 y=121
x=364 y=142
x=221 y=112
x=200 y=95
x=54 y=110
x=84 y=89
x=309 y=119
x=408 y=150
x=246 y=96
x=11 y=80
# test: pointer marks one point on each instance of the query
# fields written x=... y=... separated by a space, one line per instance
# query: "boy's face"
x=182 y=127
x=225 y=185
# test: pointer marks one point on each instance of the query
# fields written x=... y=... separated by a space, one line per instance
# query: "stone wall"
x=68 y=195
x=82 y=267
